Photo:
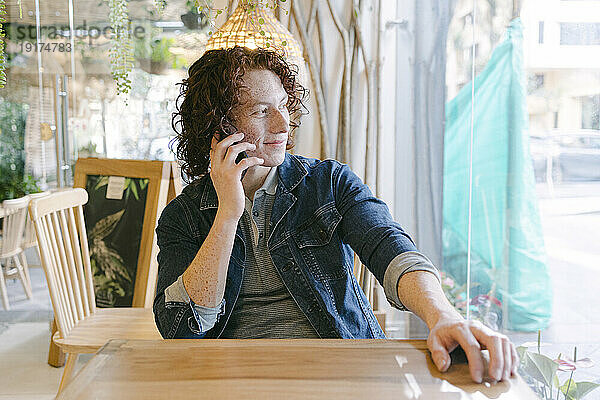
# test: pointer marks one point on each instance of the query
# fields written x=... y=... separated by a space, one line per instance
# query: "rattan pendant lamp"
x=253 y=25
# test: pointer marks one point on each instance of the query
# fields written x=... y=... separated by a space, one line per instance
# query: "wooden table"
x=277 y=369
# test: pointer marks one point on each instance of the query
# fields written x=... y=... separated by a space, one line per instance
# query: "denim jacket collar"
x=290 y=172
x=209 y=195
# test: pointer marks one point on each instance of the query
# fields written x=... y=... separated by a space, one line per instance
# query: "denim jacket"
x=321 y=214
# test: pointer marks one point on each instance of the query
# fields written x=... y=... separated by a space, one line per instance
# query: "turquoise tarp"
x=507 y=249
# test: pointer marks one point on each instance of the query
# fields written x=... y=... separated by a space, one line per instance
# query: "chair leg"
x=68 y=372
x=24 y=281
x=26 y=269
x=3 y=290
x=56 y=357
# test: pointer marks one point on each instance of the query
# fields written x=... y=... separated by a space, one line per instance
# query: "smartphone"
x=229 y=130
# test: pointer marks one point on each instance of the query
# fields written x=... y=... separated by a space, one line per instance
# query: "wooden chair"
x=29 y=240
x=63 y=245
x=366 y=280
x=15 y=212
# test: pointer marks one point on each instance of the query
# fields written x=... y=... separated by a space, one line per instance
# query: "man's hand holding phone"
x=226 y=174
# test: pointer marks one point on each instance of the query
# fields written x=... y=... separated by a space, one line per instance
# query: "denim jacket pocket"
x=319 y=228
x=319 y=246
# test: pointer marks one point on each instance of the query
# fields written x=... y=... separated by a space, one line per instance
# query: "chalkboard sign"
x=126 y=198
x=115 y=234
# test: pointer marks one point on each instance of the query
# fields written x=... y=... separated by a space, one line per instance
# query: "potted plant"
x=14 y=181
x=542 y=373
x=154 y=56
x=193 y=19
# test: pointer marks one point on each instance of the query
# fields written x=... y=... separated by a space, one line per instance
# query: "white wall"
x=550 y=54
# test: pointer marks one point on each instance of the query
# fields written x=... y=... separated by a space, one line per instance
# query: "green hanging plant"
x=2 y=35
x=121 y=52
x=160 y=5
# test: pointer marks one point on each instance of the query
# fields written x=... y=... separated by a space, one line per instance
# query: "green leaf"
x=133 y=188
x=583 y=388
x=106 y=225
x=572 y=395
x=540 y=367
x=101 y=182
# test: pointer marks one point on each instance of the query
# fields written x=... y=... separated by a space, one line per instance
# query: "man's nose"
x=280 y=122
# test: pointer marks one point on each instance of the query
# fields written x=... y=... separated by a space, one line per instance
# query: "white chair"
x=15 y=212
x=30 y=240
x=64 y=253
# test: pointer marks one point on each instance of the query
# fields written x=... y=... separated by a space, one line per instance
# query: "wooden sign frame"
x=163 y=185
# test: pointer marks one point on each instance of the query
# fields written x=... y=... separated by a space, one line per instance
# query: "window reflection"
x=99 y=124
x=562 y=74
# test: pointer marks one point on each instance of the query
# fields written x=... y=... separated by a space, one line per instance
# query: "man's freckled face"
x=262 y=116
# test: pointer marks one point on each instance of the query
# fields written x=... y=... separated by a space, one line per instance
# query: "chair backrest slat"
x=70 y=264
x=62 y=241
x=365 y=279
x=78 y=262
x=85 y=251
x=41 y=231
x=64 y=268
x=52 y=274
x=59 y=271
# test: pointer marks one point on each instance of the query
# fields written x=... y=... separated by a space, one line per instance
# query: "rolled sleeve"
x=206 y=317
x=367 y=225
x=403 y=263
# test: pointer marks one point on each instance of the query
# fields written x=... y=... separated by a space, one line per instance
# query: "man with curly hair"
x=261 y=243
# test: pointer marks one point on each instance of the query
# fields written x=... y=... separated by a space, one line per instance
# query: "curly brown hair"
x=210 y=93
